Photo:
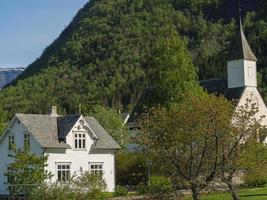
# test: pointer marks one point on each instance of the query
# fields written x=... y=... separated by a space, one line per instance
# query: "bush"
x=85 y=186
x=142 y=189
x=160 y=184
x=121 y=191
x=254 y=180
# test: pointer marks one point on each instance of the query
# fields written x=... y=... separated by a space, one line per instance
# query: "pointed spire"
x=241 y=48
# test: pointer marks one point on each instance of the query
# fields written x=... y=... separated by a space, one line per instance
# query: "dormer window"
x=27 y=141
x=79 y=140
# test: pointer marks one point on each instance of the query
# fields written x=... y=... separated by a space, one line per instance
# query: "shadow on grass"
x=254 y=195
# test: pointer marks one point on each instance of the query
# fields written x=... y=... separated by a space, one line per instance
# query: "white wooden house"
x=72 y=142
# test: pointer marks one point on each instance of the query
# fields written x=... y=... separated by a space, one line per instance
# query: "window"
x=27 y=141
x=249 y=72
x=96 y=168
x=79 y=140
x=63 y=172
x=11 y=142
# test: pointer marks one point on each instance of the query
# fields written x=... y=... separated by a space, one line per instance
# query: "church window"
x=249 y=72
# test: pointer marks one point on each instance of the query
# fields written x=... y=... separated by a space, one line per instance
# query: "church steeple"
x=241 y=48
x=241 y=66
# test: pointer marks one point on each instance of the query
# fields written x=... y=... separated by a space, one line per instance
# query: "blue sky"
x=27 y=27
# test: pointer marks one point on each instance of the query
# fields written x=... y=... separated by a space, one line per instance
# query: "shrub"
x=121 y=191
x=160 y=184
x=83 y=187
x=254 y=180
x=142 y=189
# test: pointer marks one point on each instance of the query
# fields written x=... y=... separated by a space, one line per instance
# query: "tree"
x=26 y=172
x=189 y=137
x=111 y=121
x=241 y=144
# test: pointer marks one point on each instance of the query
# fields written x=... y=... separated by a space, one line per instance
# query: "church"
x=241 y=82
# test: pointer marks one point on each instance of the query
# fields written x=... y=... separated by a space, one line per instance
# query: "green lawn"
x=245 y=194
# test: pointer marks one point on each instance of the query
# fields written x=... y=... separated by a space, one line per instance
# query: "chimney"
x=53 y=111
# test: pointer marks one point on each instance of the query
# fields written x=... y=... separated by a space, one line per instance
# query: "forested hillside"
x=104 y=56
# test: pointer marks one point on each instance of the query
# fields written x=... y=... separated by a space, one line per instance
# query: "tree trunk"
x=232 y=190
x=195 y=193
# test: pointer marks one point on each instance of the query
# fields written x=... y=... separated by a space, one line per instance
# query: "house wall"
x=18 y=130
x=80 y=159
x=253 y=94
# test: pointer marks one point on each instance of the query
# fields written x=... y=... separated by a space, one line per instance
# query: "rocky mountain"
x=7 y=75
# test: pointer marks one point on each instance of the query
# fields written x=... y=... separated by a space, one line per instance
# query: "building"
x=241 y=81
x=71 y=142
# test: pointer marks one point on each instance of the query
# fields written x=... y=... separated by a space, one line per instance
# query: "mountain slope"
x=7 y=75
x=103 y=56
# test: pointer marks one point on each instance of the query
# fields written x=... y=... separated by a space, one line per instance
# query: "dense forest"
x=106 y=55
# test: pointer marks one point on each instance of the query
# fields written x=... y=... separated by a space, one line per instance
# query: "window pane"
x=84 y=144
x=80 y=144
x=76 y=144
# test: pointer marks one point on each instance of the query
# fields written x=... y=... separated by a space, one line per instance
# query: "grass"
x=245 y=194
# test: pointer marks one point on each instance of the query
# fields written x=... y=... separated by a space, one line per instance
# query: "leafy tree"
x=241 y=144
x=189 y=137
x=26 y=172
x=111 y=121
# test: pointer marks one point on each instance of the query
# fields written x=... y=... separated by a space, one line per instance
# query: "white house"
x=71 y=142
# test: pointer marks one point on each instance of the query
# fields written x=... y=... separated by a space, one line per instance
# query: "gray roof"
x=50 y=131
x=65 y=124
x=219 y=87
x=241 y=48
x=105 y=141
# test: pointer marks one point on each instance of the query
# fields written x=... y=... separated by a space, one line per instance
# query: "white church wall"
x=250 y=73
x=253 y=94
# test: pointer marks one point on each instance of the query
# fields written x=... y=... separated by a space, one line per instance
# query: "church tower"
x=241 y=67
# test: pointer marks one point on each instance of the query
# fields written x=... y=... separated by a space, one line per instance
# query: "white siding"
x=18 y=130
x=80 y=159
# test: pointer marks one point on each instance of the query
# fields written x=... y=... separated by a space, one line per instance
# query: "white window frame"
x=79 y=140
x=11 y=142
x=249 y=72
x=27 y=140
x=94 y=167
x=63 y=169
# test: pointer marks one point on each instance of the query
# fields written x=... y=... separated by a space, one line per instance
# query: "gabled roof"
x=65 y=124
x=51 y=130
x=241 y=48
x=105 y=141
x=43 y=128
x=219 y=86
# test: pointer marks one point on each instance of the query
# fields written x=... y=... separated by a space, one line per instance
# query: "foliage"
x=188 y=137
x=89 y=185
x=160 y=184
x=130 y=168
x=112 y=122
x=26 y=172
x=84 y=186
x=121 y=191
x=255 y=173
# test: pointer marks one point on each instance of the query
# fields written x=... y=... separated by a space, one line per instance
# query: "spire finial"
x=240 y=12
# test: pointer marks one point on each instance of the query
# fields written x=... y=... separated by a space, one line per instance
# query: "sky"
x=27 y=27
